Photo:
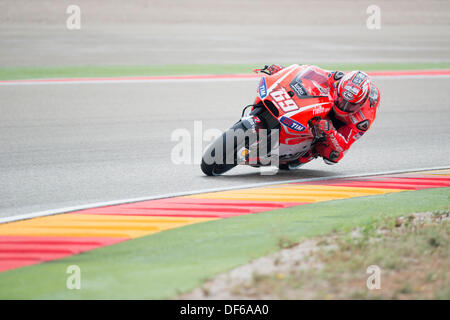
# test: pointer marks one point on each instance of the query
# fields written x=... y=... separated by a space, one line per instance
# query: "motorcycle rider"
x=356 y=100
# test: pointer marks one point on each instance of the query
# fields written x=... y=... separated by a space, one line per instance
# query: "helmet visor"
x=347 y=106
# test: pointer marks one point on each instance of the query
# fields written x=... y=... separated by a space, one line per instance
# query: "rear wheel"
x=210 y=164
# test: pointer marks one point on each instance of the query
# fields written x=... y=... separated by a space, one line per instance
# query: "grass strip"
x=16 y=73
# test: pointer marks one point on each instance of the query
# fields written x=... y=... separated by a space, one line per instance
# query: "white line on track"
x=171 y=195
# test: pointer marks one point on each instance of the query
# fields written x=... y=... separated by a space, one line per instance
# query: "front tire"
x=209 y=166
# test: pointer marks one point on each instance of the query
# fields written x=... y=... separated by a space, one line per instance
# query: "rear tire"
x=211 y=168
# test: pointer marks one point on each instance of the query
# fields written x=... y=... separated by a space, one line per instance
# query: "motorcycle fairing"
x=298 y=93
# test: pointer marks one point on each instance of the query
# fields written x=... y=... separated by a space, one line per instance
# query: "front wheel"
x=213 y=165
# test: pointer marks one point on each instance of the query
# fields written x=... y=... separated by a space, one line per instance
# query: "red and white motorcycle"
x=278 y=124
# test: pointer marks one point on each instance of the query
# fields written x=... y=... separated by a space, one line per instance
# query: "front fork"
x=258 y=150
x=250 y=154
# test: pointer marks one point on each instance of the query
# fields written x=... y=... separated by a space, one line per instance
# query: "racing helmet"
x=352 y=92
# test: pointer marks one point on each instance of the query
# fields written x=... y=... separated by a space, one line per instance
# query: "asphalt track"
x=69 y=145
x=34 y=33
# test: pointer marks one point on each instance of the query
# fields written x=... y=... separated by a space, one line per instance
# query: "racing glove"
x=328 y=145
x=322 y=127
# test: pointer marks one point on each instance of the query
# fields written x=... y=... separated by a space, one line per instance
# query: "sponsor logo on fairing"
x=299 y=89
x=262 y=88
x=318 y=110
x=294 y=125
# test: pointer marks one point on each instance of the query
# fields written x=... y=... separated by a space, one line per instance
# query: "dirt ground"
x=34 y=33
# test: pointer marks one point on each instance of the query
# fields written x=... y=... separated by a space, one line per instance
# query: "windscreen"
x=310 y=73
x=310 y=82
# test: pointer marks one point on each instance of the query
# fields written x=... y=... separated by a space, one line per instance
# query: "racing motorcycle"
x=286 y=102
